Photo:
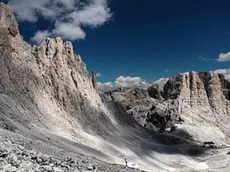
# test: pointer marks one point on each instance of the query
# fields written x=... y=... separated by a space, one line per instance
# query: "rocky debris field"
x=15 y=156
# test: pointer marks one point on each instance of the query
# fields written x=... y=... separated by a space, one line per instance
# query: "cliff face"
x=202 y=103
x=197 y=103
x=47 y=96
x=225 y=86
x=46 y=84
x=194 y=90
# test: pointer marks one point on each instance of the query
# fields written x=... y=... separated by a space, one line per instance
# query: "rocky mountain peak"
x=10 y=37
x=59 y=54
x=188 y=100
x=195 y=82
x=7 y=20
x=49 y=81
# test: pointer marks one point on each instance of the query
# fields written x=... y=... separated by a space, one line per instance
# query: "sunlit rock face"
x=188 y=101
x=195 y=90
x=47 y=83
x=204 y=105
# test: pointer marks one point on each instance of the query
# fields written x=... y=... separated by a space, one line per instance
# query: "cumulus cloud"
x=225 y=72
x=92 y=15
x=99 y=75
x=161 y=82
x=107 y=86
x=69 y=31
x=40 y=36
x=224 y=57
x=130 y=82
x=122 y=82
x=68 y=16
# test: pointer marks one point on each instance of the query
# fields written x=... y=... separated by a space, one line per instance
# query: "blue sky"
x=149 y=38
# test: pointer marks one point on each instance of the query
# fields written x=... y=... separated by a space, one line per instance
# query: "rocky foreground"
x=18 y=154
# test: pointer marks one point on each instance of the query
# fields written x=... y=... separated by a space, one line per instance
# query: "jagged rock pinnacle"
x=7 y=20
x=49 y=80
x=94 y=79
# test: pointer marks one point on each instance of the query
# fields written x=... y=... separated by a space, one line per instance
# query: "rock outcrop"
x=194 y=90
x=94 y=79
x=47 y=95
x=189 y=101
x=225 y=86
x=155 y=92
x=46 y=90
x=49 y=81
x=147 y=108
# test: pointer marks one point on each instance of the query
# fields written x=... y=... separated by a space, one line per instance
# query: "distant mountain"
x=192 y=101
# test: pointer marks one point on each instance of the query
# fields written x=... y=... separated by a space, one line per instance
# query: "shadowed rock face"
x=225 y=86
x=149 y=112
x=172 y=88
x=154 y=92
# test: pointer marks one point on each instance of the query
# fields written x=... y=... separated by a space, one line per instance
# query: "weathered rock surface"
x=46 y=82
x=189 y=101
x=47 y=95
x=149 y=112
x=46 y=90
x=225 y=86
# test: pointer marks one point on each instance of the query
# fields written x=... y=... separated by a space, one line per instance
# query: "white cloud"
x=69 y=31
x=67 y=3
x=130 y=82
x=68 y=16
x=224 y=57
x=40 y=36
x=161 y=82
x=99 y=75
x=107 y=86
x=92 y=15
x=225 y=72
x=30 y=10
x=121 y=81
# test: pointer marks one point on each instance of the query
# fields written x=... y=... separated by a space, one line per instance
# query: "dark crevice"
x=75 y=82
x=205 y=78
